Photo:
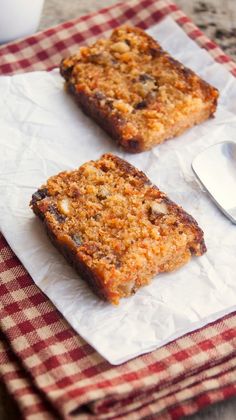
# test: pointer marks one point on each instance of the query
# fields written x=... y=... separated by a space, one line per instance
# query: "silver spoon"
x=215 y=167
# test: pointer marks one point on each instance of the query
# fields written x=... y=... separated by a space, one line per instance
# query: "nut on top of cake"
x=115 y=227
x=135 y=90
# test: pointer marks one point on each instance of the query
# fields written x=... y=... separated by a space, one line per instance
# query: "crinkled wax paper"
x=43 y=132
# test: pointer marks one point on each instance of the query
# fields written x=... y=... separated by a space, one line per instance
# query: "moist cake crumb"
x=115 y=227
x=135 y=90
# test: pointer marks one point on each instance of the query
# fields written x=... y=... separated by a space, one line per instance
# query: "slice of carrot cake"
x=136 y=91
x=116 y=228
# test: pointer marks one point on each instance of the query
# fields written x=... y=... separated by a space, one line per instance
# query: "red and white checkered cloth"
x=50 y=371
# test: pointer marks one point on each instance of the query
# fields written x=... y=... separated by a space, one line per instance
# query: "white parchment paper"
x=43 y=132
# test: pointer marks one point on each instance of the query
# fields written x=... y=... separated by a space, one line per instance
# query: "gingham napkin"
x=49 y=370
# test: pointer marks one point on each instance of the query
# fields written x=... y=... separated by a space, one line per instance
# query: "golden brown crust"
x=115 y=227
x=110 y=123
x=136 y=91
x=68 y=250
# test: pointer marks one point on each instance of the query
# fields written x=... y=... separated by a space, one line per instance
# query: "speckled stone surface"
x=217 y=18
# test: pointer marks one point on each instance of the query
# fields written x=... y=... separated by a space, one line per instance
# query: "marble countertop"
x=217 y=19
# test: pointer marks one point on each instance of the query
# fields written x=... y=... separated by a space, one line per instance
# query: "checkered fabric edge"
x=29 y=401
x=43 y=51
x=46 y=366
